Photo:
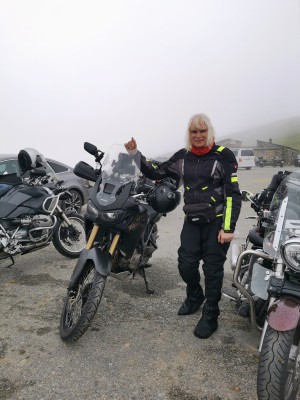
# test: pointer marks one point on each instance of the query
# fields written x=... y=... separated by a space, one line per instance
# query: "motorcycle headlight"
x=291 y=254
x=92 y=210
x=114 y=216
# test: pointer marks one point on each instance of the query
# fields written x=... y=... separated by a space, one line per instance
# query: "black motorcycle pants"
x=200 y=242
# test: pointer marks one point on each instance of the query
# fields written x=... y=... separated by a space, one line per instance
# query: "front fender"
x=284 y=314
x=102 y=261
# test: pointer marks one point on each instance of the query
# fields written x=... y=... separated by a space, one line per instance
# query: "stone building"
x=230 y=143
x=270 y=150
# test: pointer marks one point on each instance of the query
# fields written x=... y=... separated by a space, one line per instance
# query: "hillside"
x=285 y=132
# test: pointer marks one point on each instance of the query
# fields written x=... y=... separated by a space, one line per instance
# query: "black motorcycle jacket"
x=209 y=180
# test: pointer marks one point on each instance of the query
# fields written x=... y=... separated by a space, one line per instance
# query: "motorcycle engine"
x=37 y=221
x=26 y=231
x=42 y=221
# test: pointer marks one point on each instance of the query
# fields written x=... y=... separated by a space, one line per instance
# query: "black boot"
x=208 y=322
x=193 y=301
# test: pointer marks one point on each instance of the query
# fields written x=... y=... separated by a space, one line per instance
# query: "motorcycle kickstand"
x=143 y=273
x=12 y=262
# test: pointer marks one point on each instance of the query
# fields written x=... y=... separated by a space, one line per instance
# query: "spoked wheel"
x=278 y=375
x=70 y=240
x=81 y=304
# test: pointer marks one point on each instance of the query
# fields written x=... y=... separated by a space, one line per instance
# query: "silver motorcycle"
x=267 y=289
x=31 y=216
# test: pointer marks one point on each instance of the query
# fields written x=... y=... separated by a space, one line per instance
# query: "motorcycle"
x=268 y=280
x=121 y=225
x=260 y=203
x=30 y=213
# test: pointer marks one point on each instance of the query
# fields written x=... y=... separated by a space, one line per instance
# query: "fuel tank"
x=22 y=200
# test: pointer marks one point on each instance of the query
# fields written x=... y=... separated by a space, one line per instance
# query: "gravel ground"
x=137 y=347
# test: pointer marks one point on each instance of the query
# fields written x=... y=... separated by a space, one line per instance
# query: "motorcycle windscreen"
x=118 y=169
x=284 y=218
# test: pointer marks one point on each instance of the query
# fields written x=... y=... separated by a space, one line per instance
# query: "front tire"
x=278 y=374
x=70 y=240
x=81 y=304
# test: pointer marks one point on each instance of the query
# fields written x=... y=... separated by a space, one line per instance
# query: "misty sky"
x=103 y=71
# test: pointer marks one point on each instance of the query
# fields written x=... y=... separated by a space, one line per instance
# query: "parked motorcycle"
x=121 y=225
x=30 y=213
x=260 y=203
x=268 y=280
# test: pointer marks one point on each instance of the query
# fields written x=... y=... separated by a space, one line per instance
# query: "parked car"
x=244 y=158
x=78 y=187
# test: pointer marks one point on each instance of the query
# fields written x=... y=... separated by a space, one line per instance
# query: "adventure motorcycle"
x=31 y=216
x=268 y=279
x=121 y=225
x=260 y=203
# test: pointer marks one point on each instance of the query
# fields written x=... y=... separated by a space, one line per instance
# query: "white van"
x=244 y=157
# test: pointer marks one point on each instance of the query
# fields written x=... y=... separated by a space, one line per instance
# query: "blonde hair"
x=197 y=121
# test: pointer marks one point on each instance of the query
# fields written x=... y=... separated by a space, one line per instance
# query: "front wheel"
x=81 y=303
x=70 y=240
x=278 y=374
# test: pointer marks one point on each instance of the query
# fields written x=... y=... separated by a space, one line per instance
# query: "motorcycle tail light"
x=291 y=254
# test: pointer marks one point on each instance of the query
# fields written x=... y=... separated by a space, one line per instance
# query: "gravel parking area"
x=137 y=348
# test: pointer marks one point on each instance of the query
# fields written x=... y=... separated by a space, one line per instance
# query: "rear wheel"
x=70 y=240
x=278 y=374
x=81 y=303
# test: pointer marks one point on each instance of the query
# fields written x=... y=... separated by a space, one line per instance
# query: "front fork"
x=112 y=250
x=101 y=259
x=93 y=236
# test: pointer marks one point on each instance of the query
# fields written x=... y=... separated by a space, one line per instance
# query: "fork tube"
x=62 y=214
x=92 y=237
x=114 y=244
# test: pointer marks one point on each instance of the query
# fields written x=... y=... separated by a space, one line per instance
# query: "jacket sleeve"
x=233 y=201
x=156 y=171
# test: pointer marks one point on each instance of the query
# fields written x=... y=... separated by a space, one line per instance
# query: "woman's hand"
x=131 y=146
x=224 y=237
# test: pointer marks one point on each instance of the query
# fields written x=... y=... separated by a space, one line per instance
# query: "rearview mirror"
x=90 y=148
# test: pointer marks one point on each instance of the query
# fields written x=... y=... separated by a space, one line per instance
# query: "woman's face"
x=198 y=135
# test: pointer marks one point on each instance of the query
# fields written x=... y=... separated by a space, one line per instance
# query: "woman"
x=212 y=206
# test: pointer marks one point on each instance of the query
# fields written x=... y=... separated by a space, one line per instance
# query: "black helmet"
x=164 y=198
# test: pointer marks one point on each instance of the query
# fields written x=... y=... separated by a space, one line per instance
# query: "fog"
x=103 y=71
